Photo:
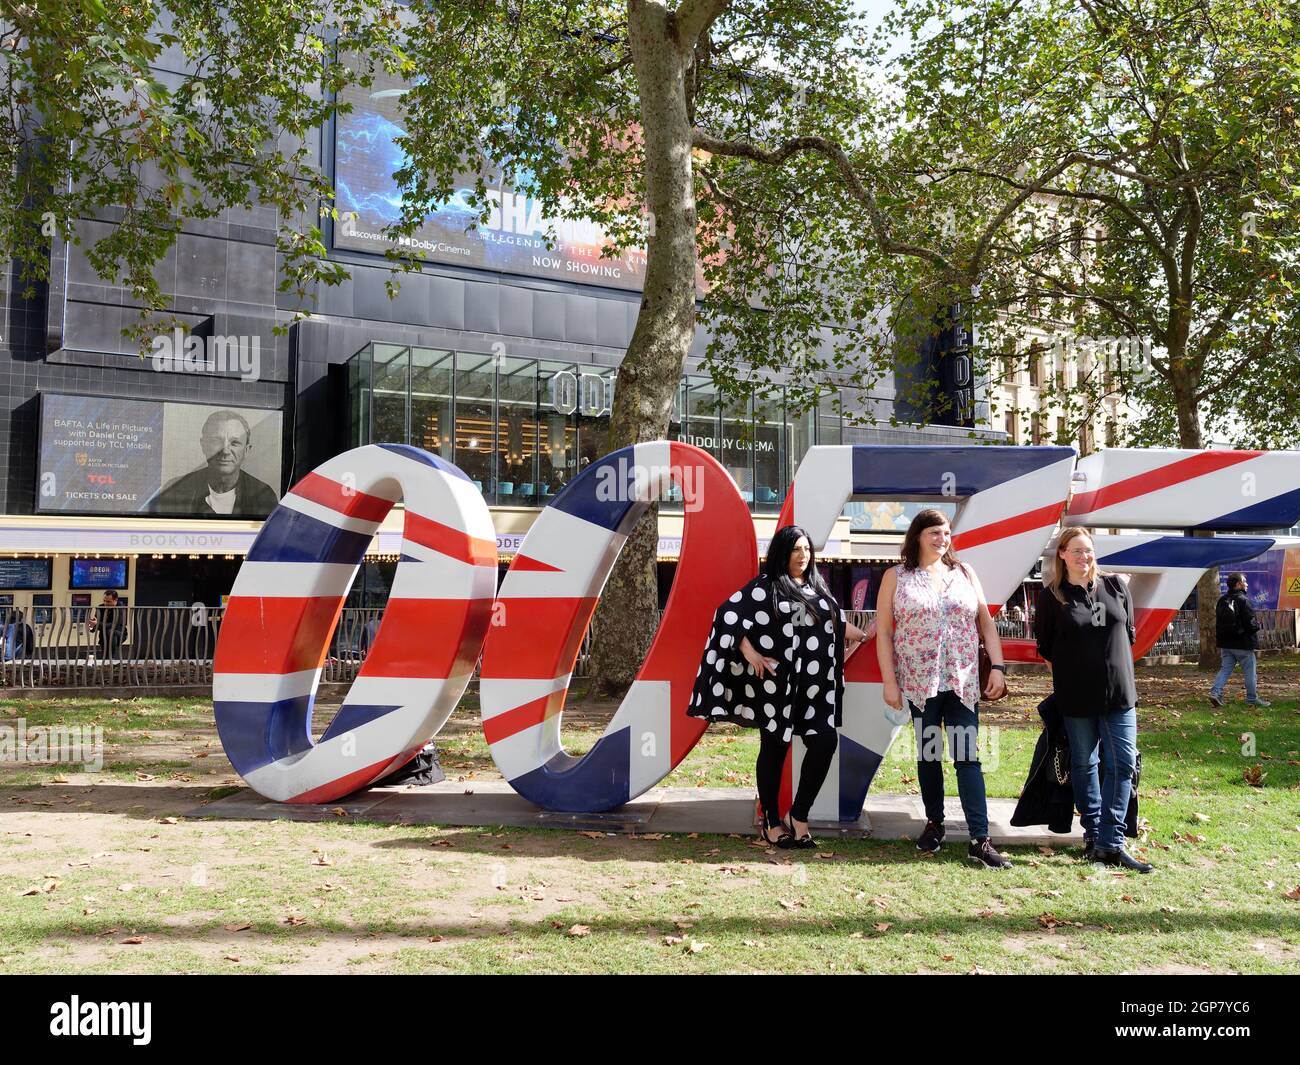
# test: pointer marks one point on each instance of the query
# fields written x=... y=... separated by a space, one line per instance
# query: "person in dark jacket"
x=1085 y=630
x=108 y=625
x=1235 y=631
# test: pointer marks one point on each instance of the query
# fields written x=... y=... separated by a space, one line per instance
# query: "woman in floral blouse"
x=930 y=615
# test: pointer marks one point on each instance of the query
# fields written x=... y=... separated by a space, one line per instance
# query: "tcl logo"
x=100 y=478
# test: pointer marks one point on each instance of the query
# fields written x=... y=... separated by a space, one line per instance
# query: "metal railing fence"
x=157 y=646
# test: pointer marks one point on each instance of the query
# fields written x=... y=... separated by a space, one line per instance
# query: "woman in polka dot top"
x=775 y=662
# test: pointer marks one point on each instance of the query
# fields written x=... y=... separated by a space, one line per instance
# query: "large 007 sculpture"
x=444 y=610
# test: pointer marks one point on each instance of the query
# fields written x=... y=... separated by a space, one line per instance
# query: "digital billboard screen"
x=98 y=573
x=514 y=237
x=121 y=456
x=25 y=573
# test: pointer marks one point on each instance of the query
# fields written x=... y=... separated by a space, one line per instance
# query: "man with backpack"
x=1235 y=631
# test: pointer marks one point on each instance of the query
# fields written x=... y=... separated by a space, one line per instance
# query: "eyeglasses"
x=1080 y=553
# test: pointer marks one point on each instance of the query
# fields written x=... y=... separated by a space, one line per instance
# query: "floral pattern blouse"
x=936 y=635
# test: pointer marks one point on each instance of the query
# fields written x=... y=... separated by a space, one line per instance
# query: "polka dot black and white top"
x=806 y=639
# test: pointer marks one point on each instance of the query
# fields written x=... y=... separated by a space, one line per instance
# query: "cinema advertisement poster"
x=513 y=239
x=100 y=455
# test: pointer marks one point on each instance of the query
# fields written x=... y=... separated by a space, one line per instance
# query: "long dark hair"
x=911 y=550
x=776 y=568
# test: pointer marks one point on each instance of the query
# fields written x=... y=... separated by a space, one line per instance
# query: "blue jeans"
x=1231 y=657
x=946 y=714
x=1103 y=805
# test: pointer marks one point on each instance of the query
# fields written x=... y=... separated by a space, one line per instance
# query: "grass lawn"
x=101 y=874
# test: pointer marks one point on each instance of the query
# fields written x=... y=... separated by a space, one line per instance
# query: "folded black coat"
x=1044 y=801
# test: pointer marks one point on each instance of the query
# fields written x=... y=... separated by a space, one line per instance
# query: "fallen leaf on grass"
x=441 y=843
x=786 y=904
x=577 y=931
x=144 y=776
x=694 y=946
x=132 y=941
x=1203 y=818
x=593 y=835
x=1254 y=775
x=1294 y=893
x=169 y=820
x=673 y=941
x=948 y=957
x=237 y=927
x=651 y=836
x=338 y=811
x=295 y=920
x=882 y=926
x=1046 y=850
x=125 y=887
x=435 y=939
x=322 y=859
x=1048 y=920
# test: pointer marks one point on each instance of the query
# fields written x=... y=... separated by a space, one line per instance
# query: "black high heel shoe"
x=806 y=842
x=782 y=842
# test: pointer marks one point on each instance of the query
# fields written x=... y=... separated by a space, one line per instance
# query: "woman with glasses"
x=1084 y=627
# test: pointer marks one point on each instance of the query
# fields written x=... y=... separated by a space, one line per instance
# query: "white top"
x=221 y=502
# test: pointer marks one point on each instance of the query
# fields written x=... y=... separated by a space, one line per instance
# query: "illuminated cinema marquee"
x=444 y=612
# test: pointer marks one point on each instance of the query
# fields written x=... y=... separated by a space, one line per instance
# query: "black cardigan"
x=1089 y=641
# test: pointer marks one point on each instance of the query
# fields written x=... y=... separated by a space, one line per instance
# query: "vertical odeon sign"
x=444 y=611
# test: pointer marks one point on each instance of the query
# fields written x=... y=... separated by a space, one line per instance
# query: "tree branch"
x=694 y=17
x=832 y=151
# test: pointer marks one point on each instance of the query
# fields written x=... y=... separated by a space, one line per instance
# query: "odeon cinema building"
x=141 y=470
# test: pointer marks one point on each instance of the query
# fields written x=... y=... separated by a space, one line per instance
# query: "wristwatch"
x=999 y=665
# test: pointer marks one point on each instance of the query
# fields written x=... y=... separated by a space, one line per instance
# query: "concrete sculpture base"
x=669 y=810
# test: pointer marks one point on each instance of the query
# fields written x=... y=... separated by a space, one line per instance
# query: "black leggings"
x=819 y=750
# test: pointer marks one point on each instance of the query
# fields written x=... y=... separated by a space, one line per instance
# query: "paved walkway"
x=708 y=810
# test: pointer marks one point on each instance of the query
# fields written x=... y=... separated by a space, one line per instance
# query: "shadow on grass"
x=1132 y=920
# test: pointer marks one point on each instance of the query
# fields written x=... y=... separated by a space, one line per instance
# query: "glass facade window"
x=517 y=433
x=431 y=410
x=595 y=398
x=770 y=456
x=475 y=433
x=557 y=404
x=830 y=429
x=702 y=416
x=391 y=396
x=736 y=447
x=521 y=429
